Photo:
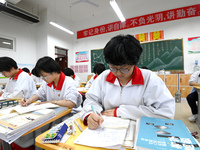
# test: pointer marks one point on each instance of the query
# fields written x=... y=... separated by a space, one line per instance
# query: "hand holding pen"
x=94 y=120
x=23 y=101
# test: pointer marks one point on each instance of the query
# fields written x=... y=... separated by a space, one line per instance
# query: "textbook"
x=32 y=107
x=13 y=125
x=164 y=134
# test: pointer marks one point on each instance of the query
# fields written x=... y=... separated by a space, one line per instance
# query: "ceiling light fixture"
x=3 y=1
x=117 y=10
x=60 y=27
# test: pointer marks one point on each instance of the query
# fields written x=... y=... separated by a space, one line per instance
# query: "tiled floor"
x=183 y=112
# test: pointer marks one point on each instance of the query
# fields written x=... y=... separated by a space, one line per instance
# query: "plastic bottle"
x=196 y=67
x=178 y=97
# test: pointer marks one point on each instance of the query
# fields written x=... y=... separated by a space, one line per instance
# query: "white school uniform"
x=77 y=80
x=144 y=95
x=37 y=80
x=21 y=82
x=195 y=77
x=89 y=83
x=65 y=90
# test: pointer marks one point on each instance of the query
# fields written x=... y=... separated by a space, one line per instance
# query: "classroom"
x=32 y=41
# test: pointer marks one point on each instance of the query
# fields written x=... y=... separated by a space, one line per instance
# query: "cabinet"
x=175 y=81
x=184 y=85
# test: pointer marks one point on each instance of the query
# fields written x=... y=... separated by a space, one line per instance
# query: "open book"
x=32 y=107
x=13 y=125
x=111 y=135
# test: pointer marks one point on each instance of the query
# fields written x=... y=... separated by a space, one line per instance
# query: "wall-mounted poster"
x=82 y=56
x=156 y=35
x=194 y=45
x=142 y=37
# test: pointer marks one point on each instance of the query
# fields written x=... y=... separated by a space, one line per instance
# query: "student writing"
x=125 y=90
x=57 y=88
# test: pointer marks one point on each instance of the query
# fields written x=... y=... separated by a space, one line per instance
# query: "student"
x=37 y=80
x=57 y=88
x=70 y=72
x=192 y=98
x=98 y=69
x=20 y=83
x=125 y=90
x=26 y=70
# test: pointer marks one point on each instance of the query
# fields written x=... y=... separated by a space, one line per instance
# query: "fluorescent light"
x=7 y=43
x=3 y=1
x=117 y=10
x=60 y=27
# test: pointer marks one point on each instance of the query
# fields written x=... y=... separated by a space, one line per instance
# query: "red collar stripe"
x=137 y=77
x=17 y=75
x=60 y=82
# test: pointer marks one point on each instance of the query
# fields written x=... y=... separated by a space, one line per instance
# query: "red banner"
x=158 y=17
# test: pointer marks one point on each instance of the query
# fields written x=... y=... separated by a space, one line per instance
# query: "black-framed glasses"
x=122 y=70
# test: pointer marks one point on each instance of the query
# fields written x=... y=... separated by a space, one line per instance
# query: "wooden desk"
x=198 y=118
x=58 y=115
x=70 y=142
x=82 y=90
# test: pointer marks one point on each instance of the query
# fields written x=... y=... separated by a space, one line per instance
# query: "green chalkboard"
x=163 y=54
x=97 y=57
x=156 y=55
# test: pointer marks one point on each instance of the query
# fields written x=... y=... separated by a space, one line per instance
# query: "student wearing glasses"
x=57 y=88
x=125 y=90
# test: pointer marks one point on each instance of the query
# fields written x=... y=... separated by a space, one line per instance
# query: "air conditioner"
x=16 y=12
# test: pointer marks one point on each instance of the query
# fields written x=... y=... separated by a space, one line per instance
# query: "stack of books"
x=16 y=121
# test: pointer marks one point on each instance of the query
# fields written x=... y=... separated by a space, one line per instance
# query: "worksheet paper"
x=110 y=136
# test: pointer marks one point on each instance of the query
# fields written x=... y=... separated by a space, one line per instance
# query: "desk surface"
x=58 y=115
x=197 y=87
x=82 y=90
x=69 y=144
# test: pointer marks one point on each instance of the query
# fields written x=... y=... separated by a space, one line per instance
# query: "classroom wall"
x=183 y=28
x=24 y=33
x=36 y=40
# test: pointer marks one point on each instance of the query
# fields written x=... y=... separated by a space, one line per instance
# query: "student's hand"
x=109 y=112
x=25 y=102
x=94 y=121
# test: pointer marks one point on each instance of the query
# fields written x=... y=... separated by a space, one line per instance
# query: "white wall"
x=36 y=40
x=24 y=33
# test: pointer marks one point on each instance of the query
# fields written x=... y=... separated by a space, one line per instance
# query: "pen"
x=73 y=128
x=23 y=96
x=96 y=112
x=78 y=125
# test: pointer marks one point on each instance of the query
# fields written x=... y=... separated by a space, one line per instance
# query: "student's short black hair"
x=99 y=68
x=46 y=64
x=122 y=50
x=26 y=70
x=68 y=72
x=6 y=63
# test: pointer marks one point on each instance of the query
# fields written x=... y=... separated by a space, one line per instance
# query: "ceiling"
x=77 y=10
x=98 y=12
